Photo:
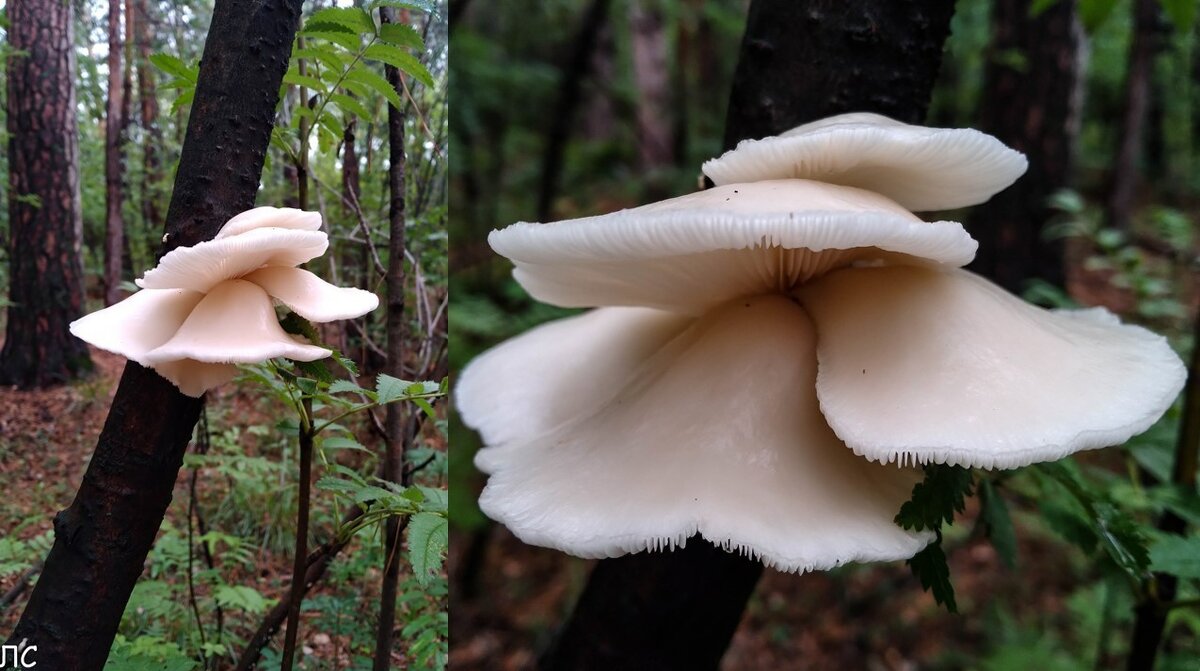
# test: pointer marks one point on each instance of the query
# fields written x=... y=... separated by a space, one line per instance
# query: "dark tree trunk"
x=45 y=272
x=101 y=541
x=1142 y=48
x=802 y=61
x=569 y=95
x=394 y=422
x=1035 y=110
x=799 y=61
x=114 y=162
x=148 y=106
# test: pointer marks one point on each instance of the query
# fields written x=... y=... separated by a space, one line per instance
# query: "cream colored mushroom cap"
x=923 y=169
x=649 y=428
x=690 y=253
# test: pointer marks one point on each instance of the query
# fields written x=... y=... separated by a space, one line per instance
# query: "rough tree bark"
x=102 y=539
x=799 y=61
x=1034 y=109
x=1127 y=163
x=115 y=112
x=45 y=273
x=148 y=107
x=394 y=421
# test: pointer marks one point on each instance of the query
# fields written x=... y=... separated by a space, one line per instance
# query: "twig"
x=316 y=565
x=300 y=565
x=21 y=585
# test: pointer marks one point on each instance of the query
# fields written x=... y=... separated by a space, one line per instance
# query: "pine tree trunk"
x=45 y=223
x=102 y=539
x=1034 y=109
x=799 y=61
x=148 y=108
x=114 y=164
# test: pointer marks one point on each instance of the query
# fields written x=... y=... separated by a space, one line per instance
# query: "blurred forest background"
x=576 y=107
x=222 y=564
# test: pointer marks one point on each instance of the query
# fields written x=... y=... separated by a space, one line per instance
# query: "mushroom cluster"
x=771 y=359
x=205 y=308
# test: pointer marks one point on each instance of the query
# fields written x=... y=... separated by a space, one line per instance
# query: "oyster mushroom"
x=205 y=308
x=770 y=362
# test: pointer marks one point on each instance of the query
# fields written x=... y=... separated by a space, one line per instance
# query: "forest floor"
x=46 y=439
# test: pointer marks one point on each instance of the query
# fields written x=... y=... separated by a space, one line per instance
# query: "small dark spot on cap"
x=864 y=371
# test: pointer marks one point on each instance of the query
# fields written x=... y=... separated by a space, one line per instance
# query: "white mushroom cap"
x=209 y=263
x=138 y=324
x=270 y=217
x=939 y=365
x=312 y=297
x=707 y=435
x=556 y=371
x=691 y=253
x=923 y=169
x=233 y=323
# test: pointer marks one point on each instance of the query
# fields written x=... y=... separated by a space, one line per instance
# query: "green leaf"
x=358 y=89
x=435 y=500
x=401 y=35
x=390 y=389
x=426 y=407
x=322 y=54
x=1038 y=6
x=997 y=523
x=1095 y=13
x=351 y=18
x=316 y=370
x=427 y=6
x=363 y=75
x=185 y=98
x=1177 y=555
x=1116 y=531
x=349 y=41
x=345 y=387
x=332 y=126
x=345 y=363
x=350 y=105
x=428 y=535
x=175 y=67
x=343 y=443
x=306 y=81
x=1073 y=526
x=240 y=597
x=1181 y=12
x=930 y=567
x=297 y=325
x=1123 y=539
x=935 y=499
x=338 y=485
x=401 y=60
